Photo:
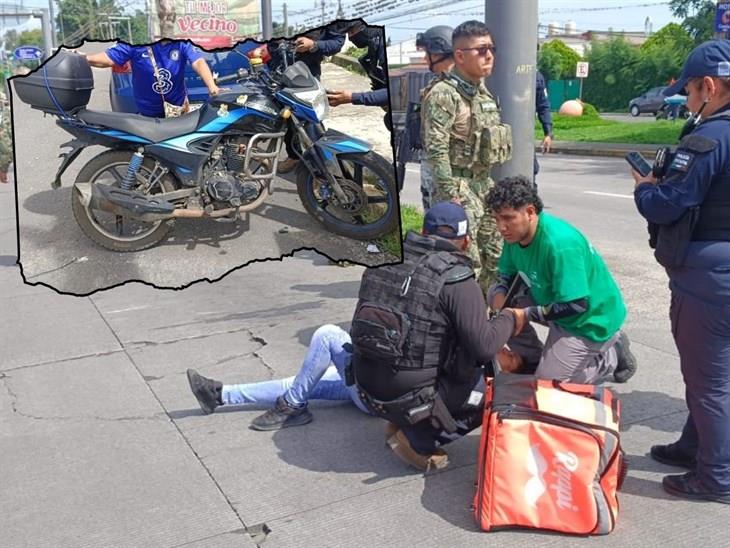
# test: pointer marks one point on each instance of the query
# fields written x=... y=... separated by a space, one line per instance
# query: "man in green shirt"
x=570 y=288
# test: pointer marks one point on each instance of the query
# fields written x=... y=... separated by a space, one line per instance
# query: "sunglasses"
x=482 y=50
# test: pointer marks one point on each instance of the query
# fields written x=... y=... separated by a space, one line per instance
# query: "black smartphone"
x=638 y=163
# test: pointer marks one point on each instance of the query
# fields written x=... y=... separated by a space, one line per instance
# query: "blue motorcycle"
x=216 y=162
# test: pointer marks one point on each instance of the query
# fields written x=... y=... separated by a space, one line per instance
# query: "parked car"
x=651 y=101
x=222 y=63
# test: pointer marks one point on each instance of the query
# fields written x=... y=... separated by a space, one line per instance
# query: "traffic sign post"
x=581 y=71
x=722 y=20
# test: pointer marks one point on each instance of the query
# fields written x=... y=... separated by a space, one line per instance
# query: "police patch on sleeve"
x=682 y=161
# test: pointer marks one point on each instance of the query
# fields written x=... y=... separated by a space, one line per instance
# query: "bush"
x=589 y=111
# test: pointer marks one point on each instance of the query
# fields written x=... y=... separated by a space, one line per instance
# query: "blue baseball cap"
x=708 y=59
x=446 y=214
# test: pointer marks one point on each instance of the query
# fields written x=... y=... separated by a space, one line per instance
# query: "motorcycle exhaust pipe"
x=145 y=208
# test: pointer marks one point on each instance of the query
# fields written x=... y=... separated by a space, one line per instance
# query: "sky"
x=626 y=15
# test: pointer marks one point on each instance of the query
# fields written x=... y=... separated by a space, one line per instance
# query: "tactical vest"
x=713 y=222
x=398 y=322
x=488 y=141
x=708 y=221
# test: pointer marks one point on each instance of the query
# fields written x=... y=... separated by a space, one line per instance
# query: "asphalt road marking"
x=629 y=196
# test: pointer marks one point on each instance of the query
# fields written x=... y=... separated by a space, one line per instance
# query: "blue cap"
x=708 y=59
x=448 y=214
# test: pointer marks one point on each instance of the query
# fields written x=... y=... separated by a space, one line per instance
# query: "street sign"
x=26 y=53
x=581 y=69
x=722 y=17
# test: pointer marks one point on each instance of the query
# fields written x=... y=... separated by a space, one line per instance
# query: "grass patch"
x=592 y=130
x=411 y=219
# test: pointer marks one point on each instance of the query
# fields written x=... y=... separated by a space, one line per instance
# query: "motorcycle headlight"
x=318 y=99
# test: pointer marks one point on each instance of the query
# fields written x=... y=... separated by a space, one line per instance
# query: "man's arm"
x=481 y=337
x=201 y=67
x=556 y=311
x=375 y=98
x=330 y=42
x=99 y=60
x=437 y=117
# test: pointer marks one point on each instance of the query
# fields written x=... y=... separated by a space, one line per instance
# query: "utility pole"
x=512 y=26
x=267 y=24
x=323 y=12
x=150 y=26
x=47 y=33
x=53 y=23
x=286 y=21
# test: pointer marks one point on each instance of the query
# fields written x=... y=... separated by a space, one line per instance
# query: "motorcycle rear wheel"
x=372 y=207
x=115 y=232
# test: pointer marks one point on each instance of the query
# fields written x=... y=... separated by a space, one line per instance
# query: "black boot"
x=687 y=486
x=282 y=415
x=668 y=454
x=207 y=391
x=626 y=366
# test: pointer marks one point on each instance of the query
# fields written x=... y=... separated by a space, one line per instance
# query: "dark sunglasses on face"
x=482 y=51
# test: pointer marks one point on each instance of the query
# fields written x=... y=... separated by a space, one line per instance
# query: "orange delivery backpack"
x=549 y=457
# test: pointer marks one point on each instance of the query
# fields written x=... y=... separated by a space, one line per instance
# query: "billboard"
x=208 y=23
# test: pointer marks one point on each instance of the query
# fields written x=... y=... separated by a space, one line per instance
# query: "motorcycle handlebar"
x=240 y=73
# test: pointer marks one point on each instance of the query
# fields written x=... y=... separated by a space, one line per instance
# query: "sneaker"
x=667 y=454
x=282 y=415
x=207 y=391
x=402 y=448
x=288 y=165
x=626 y=366
x=687 y=486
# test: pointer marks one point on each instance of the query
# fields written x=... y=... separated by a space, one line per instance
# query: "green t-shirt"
x=562 y=266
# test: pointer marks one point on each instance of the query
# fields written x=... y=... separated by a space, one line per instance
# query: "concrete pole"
x=267 y=24
x=513 y=26
x=53 y=23
x=47 y=35
x=150 y=26
x=286 y=21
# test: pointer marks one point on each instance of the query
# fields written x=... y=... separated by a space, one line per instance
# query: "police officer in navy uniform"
x=688 y=209
x=542 y=108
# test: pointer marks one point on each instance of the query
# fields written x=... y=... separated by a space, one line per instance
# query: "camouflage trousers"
x=486 y=241
x=426 y=184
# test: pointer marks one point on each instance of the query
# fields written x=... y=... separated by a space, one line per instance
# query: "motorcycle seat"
x=152 y=129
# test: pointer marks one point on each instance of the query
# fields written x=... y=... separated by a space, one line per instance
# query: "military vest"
x=398 y=322
x=479 y=139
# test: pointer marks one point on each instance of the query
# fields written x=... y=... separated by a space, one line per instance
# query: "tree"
x=662 y=57
x=80 y=19
x=557 y=61
x=25 y=38
x=698 y=17
x=611 y=84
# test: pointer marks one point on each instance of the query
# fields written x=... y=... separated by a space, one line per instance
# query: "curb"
x=610 y=150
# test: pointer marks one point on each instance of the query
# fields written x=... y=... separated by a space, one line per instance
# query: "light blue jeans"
x=321 y=377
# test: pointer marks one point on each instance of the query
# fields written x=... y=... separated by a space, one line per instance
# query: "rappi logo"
x=560 y=478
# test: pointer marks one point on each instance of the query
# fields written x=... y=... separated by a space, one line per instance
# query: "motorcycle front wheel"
x=370 y=208
x=116 y=232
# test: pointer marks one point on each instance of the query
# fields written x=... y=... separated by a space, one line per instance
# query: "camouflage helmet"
x=436 y=40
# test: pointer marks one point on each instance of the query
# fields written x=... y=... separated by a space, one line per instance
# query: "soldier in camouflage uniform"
x=436 y=42
x=6 y=139
x=463 y=138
